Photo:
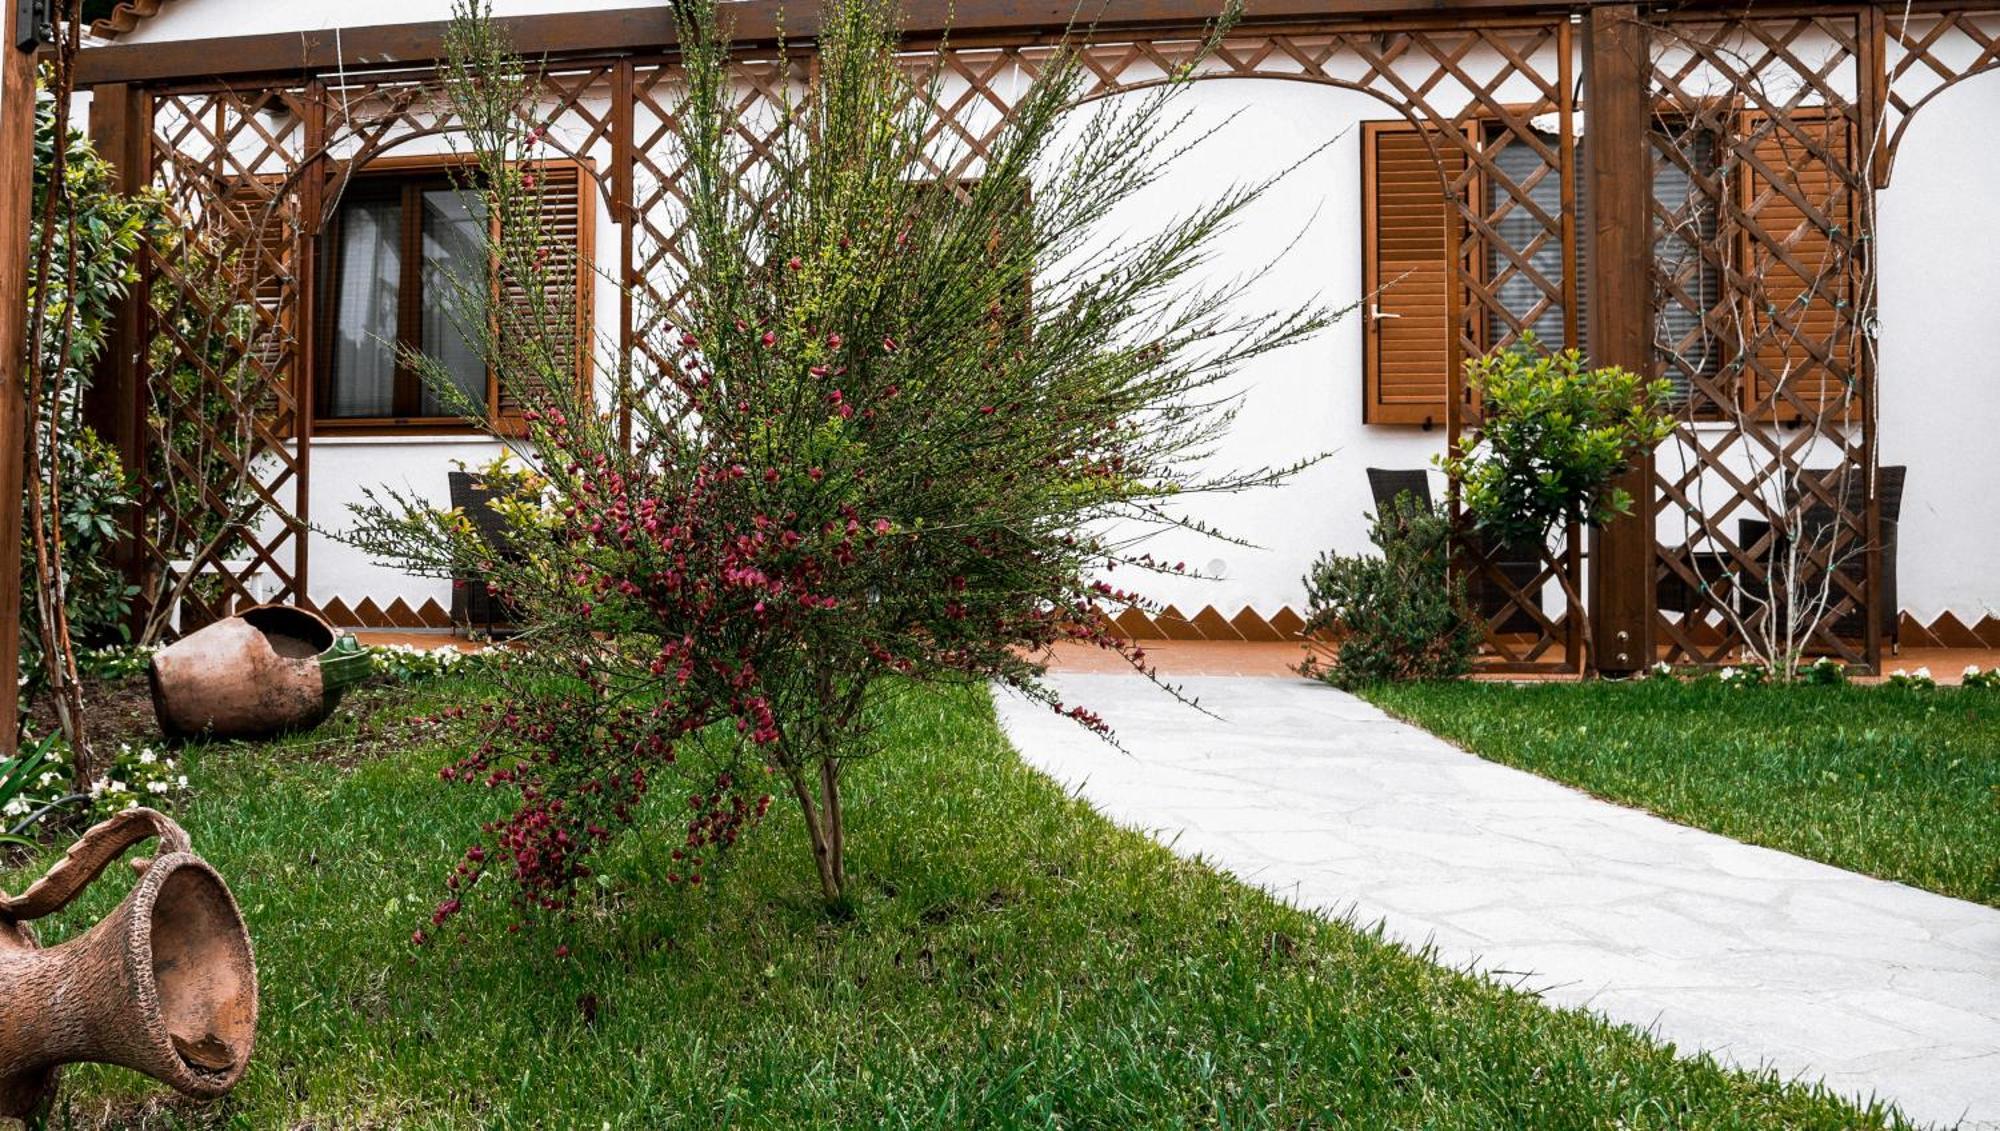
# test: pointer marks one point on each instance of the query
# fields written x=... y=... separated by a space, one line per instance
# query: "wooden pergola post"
x=17 y=190
x=114 y=403
x=1617 y=73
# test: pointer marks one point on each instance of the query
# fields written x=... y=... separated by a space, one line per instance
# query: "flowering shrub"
x=868 y=457
x=1824 y=672
x=1398 y=616
x=36 y=784
x=407 y=663
x=1921 y=678
x=1988 y=680
x=30 y=787
x=142 y=775
x=1749 y=675
x=115 y=662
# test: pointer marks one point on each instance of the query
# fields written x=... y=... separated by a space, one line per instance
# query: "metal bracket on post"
x=34 y=24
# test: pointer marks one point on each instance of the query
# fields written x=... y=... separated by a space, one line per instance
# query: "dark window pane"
x=1684 y=252
x=454 y=294
x=362 y=372
x=1535 y=304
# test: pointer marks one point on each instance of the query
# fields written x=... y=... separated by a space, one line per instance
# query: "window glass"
x=362 y=373
x=452 y=244
x=1535 y=304
x=1690 y=282
x=1683 y=250
x=404 y=275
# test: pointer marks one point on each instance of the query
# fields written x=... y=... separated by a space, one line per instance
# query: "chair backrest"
x=1888 y=487
x=471 y=495
x=1385 y=485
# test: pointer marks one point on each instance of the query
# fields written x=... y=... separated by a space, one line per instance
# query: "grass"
x=1898 y=783
x=1014 y=961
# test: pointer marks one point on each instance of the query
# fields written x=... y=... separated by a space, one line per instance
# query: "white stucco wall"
x=1939 y=231
x=1939 y=256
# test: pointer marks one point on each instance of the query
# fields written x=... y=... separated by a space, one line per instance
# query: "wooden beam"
x=17 y=147
x=1617 y=75
x=114 y=404
x=651 y=30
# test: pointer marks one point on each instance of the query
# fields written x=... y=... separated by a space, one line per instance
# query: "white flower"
x=97 y=788
x=181 y=782
x=1728 y=674
x=117 y=787
x=15 y=807
x=1971 y=669
x=147 y=757
x=132 y=804
x=1923 y=673
x=157 y=787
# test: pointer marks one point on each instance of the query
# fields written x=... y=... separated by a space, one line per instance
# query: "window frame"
x=413 y=174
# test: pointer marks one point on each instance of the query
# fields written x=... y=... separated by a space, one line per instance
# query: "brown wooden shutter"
x=265 y=232
x=567 y=226
x=1406 y=275
x=1800 y=280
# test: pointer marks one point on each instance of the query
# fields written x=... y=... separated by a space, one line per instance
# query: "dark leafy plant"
x=895 y=411
x=1555 y=436
x=1398 y=616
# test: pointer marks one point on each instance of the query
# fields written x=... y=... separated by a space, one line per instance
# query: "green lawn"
x=1014 y=961
x=1899 y=783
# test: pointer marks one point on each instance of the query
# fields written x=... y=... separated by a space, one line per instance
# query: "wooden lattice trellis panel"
x=1763 y=501
x=1500 y=93
x=222 y=481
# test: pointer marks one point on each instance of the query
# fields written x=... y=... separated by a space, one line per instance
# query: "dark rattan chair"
x=1817 y=522
x=1520 y=565
x=473 y=606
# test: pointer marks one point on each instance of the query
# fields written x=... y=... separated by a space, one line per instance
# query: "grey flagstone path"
x=1760 y=957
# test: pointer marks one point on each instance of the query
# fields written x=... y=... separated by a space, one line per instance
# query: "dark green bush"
x=1400 y=616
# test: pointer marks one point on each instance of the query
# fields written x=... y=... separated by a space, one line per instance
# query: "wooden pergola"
x=252 y=140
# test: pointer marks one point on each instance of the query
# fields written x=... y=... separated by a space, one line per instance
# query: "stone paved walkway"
x=1756 y=955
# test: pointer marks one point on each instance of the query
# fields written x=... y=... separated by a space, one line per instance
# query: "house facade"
x=1778 y=208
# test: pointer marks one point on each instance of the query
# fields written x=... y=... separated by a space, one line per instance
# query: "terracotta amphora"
x=265 y=671
x=166 y=985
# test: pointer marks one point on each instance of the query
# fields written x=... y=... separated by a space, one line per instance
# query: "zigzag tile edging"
x=397 y=614
x=1170 y=623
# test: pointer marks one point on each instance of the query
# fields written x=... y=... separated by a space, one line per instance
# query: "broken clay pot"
x=166 y=985
x=265 y=671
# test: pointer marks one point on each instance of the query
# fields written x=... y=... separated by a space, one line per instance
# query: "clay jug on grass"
x=265 y=671
x=166 y=985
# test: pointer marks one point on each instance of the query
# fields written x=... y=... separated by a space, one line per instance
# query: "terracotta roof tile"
x=125 y=17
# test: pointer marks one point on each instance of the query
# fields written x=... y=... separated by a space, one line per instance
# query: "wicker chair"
x=473 y=606
x=1817 y=522
x=1520 y=565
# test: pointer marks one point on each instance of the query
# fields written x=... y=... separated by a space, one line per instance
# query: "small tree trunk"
x=822 y=836
x=836 y=822
x=1581 y=612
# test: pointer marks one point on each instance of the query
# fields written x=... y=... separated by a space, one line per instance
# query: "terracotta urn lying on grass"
x=268 y=670
x=165 y=985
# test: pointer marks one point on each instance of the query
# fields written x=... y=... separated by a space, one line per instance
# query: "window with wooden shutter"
x=402 y=253
x=1406 y=275
x=558 y=318
x=1796 y=320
